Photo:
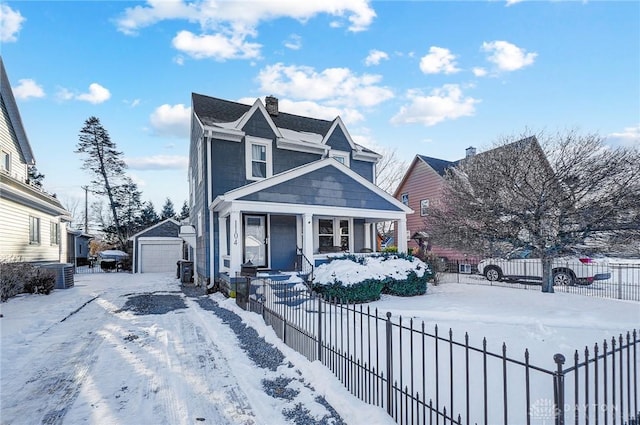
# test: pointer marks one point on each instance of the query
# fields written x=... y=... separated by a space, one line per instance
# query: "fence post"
x=620 y=282
x=389 y=344
x=558 y=390
x=319 y=328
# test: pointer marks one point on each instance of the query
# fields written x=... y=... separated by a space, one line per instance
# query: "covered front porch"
x=282 y=238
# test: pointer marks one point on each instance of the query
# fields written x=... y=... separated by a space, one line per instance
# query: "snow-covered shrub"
x=357 y=278
x=13 y=277
x=40 y=281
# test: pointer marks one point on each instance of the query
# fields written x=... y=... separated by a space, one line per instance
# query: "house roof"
x=440 y=166
x=165 y=228
x=215 y=112
x=14 y=116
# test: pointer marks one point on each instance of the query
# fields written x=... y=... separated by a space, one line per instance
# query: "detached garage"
x=157 y=248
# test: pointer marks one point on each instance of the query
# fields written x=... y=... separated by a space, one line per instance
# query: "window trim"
x=6 y=161
x=346 y=156
x=34 y=230
x=337 y=234
x=424 y=207
x=54 y=233
x=248 y=154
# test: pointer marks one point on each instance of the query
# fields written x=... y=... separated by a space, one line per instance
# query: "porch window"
x=334 y=232
x=34 y=230
x=258 y=158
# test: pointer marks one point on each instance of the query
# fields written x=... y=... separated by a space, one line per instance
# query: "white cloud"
x=97 y=94
x=28 y=88
x=444 y=103
x=10 y=24
x=512 y=2
x=479 y=72
x=293 y=42
x=226 y=25
x=630 y=137
x=64 y=94
x=334 y=86
x=158 y=162
x=507 y=56
x=439 y=60
x=218 y=46
x=375 y=56
x=171 y=121
x=309 y=108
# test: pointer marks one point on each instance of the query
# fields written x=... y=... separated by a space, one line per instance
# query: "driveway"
x=122 y=349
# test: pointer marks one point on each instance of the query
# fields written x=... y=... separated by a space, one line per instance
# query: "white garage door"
x=161 y=257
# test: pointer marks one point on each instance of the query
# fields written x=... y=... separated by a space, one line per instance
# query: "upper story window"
x=54 y=230
x=424 y=207
x=6 y=161
x=34 y=230
x=405 y=198
x=200 y=160
x=340 y=156
x=258 y=158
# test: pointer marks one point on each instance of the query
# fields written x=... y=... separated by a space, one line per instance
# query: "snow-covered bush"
x=16 y=278
x=356 y=278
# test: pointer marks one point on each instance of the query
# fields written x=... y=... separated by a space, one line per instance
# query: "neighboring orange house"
x=420 y=188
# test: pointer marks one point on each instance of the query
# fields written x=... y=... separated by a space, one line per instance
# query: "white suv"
x=522 y=265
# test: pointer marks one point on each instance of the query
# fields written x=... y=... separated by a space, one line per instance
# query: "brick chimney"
x=471 y=151
x=272 y=105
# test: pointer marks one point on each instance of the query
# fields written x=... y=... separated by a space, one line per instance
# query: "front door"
x=255 y=240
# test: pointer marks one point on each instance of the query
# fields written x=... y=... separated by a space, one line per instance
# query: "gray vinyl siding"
x=326 y=186
x=284 y=160
x=258 y=126
x=227 y=166
x=338 y=140
x=364 y=168
x=283 y=242
x=201 y=202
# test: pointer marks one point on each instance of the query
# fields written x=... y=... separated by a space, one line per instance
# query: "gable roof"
x=440 y=166
x=251 y=191
x=300 y=130
x=169 y=222
x=14 y=116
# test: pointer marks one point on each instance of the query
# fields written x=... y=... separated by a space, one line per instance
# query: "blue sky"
x=419 y=77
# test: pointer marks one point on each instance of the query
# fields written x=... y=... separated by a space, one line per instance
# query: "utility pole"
x=86 y=208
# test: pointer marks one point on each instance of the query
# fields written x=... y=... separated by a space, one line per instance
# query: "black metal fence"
x=623 y=282
x=423 y=376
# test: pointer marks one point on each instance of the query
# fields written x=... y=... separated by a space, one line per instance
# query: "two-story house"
x=32 y=222
x=421 y=189
x=274 y=188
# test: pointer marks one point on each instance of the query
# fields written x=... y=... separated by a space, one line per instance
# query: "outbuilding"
x=158 y=248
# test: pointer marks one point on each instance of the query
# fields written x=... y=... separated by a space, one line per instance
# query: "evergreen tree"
x=148 y=215
x=35 y=177
x=184 y=212
x=105 y=163
x=167 y=210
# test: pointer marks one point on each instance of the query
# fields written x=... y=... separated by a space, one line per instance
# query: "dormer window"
x=340 y=156
x=258 y=158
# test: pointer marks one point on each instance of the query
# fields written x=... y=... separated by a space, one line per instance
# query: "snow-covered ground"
x=82 y=356
x=85 y=355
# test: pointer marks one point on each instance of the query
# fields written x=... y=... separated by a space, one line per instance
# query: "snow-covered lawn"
x=105 y=365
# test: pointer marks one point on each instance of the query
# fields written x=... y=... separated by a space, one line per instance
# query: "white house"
x=32 y=222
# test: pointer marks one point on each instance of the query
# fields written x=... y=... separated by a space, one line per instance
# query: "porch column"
x=222 y=231
x=367 y=235
x=236 y=243
x=402 y=235
x=307 y=236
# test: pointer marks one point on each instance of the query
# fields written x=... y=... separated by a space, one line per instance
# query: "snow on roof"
x=301 y=136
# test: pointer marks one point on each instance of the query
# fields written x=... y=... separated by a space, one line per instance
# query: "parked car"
x=523 y=265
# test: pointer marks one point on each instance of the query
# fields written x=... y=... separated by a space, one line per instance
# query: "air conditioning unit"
x=464 y=268
x=63 y=272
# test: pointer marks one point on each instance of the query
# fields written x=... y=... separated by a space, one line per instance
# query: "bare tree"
x=549 y=193
x=389 y=172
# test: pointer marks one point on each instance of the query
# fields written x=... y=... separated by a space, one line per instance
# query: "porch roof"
x=325 y=185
